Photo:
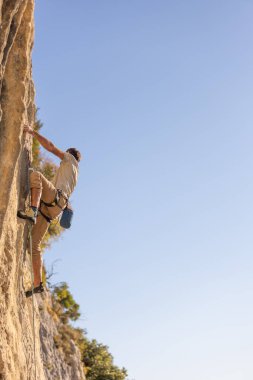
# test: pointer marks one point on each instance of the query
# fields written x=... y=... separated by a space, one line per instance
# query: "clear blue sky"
x=158 y=97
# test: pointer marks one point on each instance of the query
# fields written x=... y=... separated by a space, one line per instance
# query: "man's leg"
x=38 y=233
x=35 y=197
x=43 y=189
x=40 y=188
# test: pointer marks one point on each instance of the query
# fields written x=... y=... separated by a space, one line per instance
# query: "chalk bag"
x=66 y=218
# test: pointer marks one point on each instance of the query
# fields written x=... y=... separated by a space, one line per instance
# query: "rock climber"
x=48 y=199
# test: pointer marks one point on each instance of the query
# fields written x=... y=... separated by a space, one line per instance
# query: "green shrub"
x=70 y=309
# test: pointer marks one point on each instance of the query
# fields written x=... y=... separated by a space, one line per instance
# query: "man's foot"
x=29 y=214
x=37 y=289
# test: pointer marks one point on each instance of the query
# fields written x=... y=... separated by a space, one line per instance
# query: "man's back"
x=67 y=174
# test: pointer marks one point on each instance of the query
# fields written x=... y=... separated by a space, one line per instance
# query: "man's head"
x=75 y=153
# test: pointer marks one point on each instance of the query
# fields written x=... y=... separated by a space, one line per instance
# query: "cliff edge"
x=27 y=329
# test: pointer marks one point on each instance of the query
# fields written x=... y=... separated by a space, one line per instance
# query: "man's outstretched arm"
x=47 y=144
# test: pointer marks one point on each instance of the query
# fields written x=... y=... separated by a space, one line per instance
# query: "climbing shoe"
x=29 y=214
x=38 y=289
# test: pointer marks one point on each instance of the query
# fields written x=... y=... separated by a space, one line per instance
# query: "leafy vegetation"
x=96 y=358
x=69 y=308
x=99 y=363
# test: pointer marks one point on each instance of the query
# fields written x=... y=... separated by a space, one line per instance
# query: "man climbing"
x=48 y=199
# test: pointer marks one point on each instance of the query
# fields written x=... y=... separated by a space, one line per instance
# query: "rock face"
x=26 y=353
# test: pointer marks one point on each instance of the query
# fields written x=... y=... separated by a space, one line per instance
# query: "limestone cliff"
x=17 y=342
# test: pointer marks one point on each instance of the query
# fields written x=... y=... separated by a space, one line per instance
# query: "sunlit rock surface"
x=17 y=342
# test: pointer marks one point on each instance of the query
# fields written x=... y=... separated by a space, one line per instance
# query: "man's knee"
x=36 y=249
x=35 y=180
x=36 y=255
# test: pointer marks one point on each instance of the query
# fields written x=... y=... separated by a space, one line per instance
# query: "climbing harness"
x=49 y=220
x=33 y=307
x=67 y=212
x=58 y=195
